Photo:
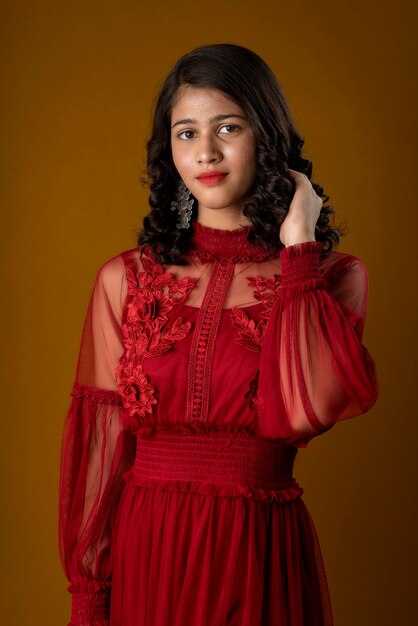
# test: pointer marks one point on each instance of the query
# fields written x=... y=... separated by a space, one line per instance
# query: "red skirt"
x=211 y=530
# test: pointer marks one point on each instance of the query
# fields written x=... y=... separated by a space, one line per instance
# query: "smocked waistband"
x=216 y=462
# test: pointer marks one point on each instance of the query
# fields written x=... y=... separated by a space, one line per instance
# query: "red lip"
x=212 y=174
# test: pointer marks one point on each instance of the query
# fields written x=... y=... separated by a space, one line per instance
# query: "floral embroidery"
x=266 y=291
x=137 y=393
x=251 y=333
x=153 y=294
x=252 y=391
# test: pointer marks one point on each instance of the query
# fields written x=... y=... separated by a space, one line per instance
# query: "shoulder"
x=348 y=280
x=113 y=270
x=111 y=283
x=339 y=264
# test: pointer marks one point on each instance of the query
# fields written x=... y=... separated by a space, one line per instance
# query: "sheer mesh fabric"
x=303 y=315
x=239 y=294
x=95 y=450
x=347 y=276
x=315 y=370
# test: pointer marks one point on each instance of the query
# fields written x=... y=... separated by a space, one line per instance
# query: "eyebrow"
x=217 y=118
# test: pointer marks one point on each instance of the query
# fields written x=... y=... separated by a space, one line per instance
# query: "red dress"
x=194 y=389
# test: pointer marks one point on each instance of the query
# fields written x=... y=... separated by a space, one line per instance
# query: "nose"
x=207 y=149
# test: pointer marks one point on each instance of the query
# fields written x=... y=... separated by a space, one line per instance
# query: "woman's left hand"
x=299 y=224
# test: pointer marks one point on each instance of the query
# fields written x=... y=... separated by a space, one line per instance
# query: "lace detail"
x=92 y=394
x=250 y=332
x=152 y=295
x=266 y=291
x=207 y=256
x=203 y=344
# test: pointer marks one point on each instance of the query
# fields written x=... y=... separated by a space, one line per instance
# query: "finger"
x=298 y=176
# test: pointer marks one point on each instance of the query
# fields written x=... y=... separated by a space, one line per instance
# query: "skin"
x=229 y=145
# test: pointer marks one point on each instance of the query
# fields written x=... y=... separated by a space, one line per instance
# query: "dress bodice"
x=208 y=327
x=239 y=356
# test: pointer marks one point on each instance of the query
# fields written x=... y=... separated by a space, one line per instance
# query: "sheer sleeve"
x=314 y=369
x=95 y=452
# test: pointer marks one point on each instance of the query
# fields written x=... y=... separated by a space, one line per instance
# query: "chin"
x=215 y=207
x=218 y=203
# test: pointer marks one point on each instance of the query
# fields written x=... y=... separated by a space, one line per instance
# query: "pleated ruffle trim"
x=288 y=493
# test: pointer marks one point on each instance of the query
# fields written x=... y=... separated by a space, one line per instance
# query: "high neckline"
x=209 y=243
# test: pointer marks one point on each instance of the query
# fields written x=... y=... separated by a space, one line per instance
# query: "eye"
x=185 y=131
x=233 y=126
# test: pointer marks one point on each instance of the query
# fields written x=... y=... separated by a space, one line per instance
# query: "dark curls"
x=243 y=77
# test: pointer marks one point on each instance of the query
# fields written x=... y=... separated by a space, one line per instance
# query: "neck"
x=222 y=243
x=222 y=220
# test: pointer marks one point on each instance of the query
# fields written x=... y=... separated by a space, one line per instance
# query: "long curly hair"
x=242 y=76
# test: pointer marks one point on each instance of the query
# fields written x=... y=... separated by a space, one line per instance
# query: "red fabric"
x=316 y=371
x=194 y=389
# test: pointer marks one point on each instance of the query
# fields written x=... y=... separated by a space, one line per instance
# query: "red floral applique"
x=153 y=294
x=137 y=393
x=252 y=391
x=265 y=291
x=251 y=333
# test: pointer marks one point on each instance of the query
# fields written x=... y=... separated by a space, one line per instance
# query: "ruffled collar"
x=211 y=244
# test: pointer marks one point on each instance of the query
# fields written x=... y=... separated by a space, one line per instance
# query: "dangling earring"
x=183 y=204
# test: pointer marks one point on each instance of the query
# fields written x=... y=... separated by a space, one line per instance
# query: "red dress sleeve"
x=314 y=369
x=95 y=452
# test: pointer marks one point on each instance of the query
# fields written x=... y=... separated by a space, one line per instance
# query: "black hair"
x=243 y=77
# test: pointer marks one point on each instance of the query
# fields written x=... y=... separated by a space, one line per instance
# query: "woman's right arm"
x=95 y=452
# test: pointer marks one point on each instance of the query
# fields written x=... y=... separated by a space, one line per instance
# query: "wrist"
x=89 y=608
x=300 y=238
x=300 y=262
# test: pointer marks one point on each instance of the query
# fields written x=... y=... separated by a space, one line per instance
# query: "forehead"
x=201 y=100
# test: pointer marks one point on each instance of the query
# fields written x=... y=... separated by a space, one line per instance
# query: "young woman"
x=228 y=338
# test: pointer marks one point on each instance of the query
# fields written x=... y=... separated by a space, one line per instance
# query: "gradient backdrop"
x=78 y=81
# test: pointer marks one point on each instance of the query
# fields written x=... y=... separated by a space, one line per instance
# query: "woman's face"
x=209 y=132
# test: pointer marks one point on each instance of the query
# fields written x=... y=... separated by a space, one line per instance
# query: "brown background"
x=78 y=82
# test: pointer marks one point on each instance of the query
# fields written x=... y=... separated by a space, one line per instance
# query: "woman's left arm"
x=314 y=369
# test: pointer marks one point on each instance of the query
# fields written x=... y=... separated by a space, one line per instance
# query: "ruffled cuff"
x=300 y=270
x=300 y=262
x=90 y=608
